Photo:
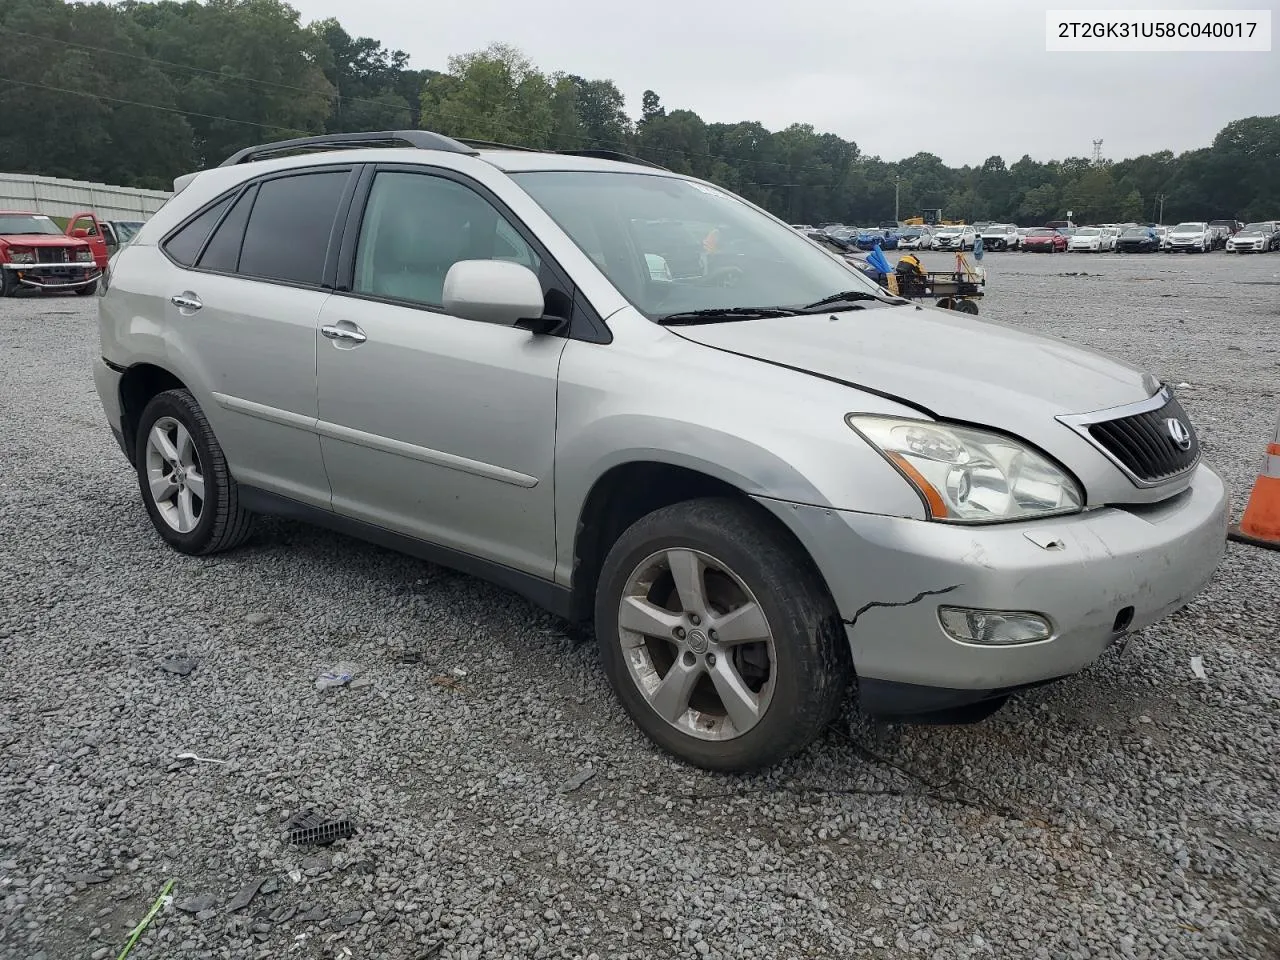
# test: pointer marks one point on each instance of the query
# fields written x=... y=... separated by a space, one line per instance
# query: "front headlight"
x=970 y=476
x=22 y=256
x=84 y=256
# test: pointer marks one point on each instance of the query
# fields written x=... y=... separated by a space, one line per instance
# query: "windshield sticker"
x=38 y=216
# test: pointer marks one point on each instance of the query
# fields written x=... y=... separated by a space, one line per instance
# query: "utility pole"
x=1160 y=200
x=896 y=181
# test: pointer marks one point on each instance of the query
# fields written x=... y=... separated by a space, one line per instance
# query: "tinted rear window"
x=288 y=232
x=184 y=246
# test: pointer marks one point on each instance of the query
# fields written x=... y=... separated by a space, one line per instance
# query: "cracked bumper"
x=888 y=576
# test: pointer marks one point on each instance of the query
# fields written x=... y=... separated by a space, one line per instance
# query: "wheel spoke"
x=742 y=706
x=643 y=617
x=195 y=482
x=162 y=487
x=186 y=512
x=671 y=697
x=743 y=625
x=687 y=570
x=160 y=440
x=185 y=446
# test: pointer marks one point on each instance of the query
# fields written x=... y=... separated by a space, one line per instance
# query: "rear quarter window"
x=185 y=245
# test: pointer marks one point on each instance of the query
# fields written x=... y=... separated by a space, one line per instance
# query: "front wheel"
x=186 y=485
x=88 y=291
x=719 y=637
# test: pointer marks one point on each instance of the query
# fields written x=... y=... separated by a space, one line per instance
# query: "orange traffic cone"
x=1260 y=524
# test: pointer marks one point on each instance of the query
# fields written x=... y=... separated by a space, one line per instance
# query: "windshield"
x=1042 y=232
x=1188 y=228
x=1137 y=232
x=911 y=232
x=996 y=228
x=1257 y=228
x=1087 y=232
x=28 y=223
x=721 y=253
x=126 y=229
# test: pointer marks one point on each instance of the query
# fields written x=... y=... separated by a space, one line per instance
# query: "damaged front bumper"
x=53 y=276
x=1093 y=576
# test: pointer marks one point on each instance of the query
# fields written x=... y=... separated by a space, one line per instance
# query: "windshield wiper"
x=845 y=296
x=727 y=313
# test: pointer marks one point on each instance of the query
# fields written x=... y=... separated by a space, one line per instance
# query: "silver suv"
x=643 y=402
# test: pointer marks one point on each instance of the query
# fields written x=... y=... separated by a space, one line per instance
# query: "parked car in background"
x=1219 y=234
x=915 y=238
x=1060 y=225
x=954 y=238
x=1085 y=240
x=1256 y=238
x=1044 y=240
x=1162 y=234
x=1226 y=229
x=749 y=506
x=1193 y=236
x=1022 y=235
x=868 y=237
x=1139 y=240
x=1110 y=236
x=36 y=255
x=1001 y=236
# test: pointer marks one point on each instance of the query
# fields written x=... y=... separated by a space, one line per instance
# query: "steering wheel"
x=723 y=277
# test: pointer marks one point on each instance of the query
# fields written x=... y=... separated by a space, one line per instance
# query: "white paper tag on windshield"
x=38 y=216
x=709 y=190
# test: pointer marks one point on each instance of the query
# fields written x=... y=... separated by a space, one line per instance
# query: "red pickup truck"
x=36 y=255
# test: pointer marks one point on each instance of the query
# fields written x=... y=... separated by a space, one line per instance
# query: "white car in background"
x=1001 y=236
x=955 y=238
x=915 y=238
x=1256 y=238
x=1194 y=236
x=1110 y=238
x=1085 y=240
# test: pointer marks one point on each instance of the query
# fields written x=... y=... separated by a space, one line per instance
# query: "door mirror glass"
x=492 y=291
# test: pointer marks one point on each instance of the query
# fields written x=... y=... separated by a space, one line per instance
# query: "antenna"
x=1097 y=152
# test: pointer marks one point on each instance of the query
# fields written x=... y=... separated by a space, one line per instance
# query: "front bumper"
x=1115 y=566
x=54 y=276
x=1247 y=246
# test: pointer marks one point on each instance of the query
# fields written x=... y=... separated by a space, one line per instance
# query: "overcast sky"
x=960 y=80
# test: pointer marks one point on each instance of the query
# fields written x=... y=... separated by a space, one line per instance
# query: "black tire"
x=223 y=524
x=966 y=306
x=88 y=291
x=8 y=284
x=812 y=665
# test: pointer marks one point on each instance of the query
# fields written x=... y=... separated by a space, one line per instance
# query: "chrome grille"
x=1144 y=439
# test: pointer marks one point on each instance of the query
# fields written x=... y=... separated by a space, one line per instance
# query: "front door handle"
x=351 y=334
x=186 y=301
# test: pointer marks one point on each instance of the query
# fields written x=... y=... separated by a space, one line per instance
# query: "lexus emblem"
x=1178 y=433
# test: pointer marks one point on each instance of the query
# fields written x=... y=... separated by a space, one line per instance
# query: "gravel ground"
x=1133 y=811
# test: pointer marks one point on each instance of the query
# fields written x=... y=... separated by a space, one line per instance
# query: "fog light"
x=994 y=627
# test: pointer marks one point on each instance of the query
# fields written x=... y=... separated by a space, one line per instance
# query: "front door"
x=433 y=426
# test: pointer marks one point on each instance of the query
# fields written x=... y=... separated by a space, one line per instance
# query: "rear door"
x=242 y=316
x=433 y=426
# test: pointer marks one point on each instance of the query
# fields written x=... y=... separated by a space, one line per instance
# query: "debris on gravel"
x=1129 y=812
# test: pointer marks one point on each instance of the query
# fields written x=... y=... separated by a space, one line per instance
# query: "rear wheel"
x=967 y=306
x=188 y=490
x=719 y=637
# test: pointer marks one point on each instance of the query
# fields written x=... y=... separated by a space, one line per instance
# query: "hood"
x=1038 y=239
x=41 y=240
x=952 y=364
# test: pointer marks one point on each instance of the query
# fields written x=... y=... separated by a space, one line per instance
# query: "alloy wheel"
x=174 y=476
x=697 y=644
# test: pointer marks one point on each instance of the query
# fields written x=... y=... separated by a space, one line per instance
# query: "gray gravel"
x=507 y=807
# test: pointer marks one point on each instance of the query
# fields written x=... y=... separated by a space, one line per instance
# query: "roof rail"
x=422 y=139
x=612 y=155
x=495 y=145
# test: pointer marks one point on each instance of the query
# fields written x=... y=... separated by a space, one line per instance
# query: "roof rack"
x=495 y=145
x=422 y=139
x=611 y=155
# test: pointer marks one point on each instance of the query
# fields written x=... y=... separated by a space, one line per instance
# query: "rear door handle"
x=186 y=301
x=351 y=333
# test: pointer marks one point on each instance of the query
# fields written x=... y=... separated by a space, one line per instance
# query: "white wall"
x=64 y=198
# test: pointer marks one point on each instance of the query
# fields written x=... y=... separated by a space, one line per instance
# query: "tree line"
x=136 y=93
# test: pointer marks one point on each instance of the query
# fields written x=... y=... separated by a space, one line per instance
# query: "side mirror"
x=80 y=233
x=492 y=291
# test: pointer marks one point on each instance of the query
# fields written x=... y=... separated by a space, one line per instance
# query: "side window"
x=223 y=252
x=417 y=226
x=184 y=246
x=287 y=236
